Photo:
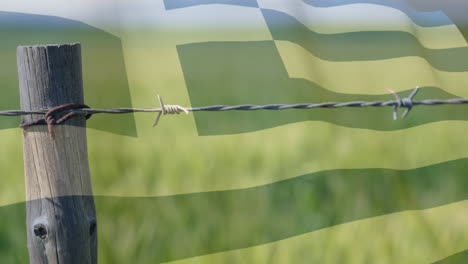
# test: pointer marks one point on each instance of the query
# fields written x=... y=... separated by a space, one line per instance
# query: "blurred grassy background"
x=173 y=159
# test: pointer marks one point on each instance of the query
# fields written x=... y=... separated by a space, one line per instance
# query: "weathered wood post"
x=61 y=218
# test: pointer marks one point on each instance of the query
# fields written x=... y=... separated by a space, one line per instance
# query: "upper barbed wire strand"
x=407 y=103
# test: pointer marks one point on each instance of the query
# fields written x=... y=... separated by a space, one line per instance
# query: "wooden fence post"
x=61 y=217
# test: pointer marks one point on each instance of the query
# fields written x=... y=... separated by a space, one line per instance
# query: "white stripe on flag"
x=368 y=77
x=204 y=16
x=103 y=14
x=366 y=17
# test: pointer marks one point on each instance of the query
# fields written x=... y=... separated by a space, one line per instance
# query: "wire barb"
x=168 y=110
x=407 y=102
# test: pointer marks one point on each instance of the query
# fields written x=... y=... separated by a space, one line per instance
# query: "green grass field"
x=171 y=195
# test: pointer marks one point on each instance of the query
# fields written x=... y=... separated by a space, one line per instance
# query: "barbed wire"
x=408 y=103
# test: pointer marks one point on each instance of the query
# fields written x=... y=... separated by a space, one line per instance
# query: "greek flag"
x=297 y=186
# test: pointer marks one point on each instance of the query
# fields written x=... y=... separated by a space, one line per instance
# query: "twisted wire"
x=407 y=103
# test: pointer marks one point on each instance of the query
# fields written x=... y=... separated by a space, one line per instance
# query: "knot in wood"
x=40 y=231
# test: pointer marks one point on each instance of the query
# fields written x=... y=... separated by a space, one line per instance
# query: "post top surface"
x=50 y=45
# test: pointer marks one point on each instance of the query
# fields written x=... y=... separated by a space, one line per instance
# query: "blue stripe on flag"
x=364 y=45
x=218 y=221
x=174 y=4
x=104 y=69
x=461 y=257
x=254 y=73
x=425 y=19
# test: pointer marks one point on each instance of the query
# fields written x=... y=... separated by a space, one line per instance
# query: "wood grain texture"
x=61 y=217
